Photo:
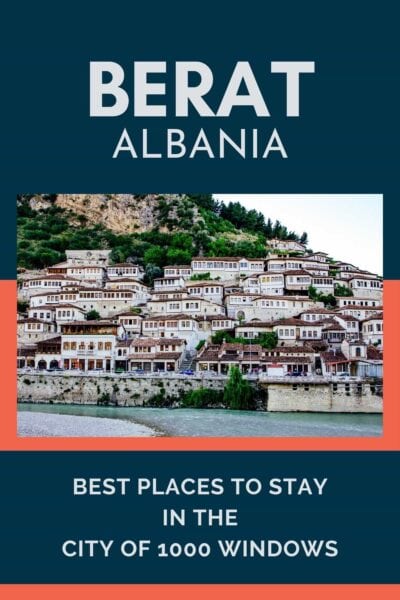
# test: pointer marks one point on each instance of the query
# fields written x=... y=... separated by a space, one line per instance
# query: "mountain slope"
x=151 y=229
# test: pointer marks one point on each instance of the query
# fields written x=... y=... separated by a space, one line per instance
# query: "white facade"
x=288 y=245
x=124 y=270
x=184 y=271
x=175 y=326
x=372 y=331
x=88 y=345
x=88 y=257
x=363 y=287
x=227 y=268
x=208 y=290
x=45 y=284
x=359 y=301
x=169 y=283
x=245 y=307
x=196 y=307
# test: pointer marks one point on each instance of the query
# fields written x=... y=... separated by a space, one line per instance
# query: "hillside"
x=151 y=229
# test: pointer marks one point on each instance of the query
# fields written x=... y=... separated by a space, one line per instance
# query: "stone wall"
x=276 y=397
x=75 y=389
x=340 y=398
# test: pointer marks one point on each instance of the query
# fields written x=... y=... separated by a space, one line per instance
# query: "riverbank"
x=39 y=424
x=191 y=422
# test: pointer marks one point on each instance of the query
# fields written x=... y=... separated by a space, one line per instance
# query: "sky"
x=349 y=227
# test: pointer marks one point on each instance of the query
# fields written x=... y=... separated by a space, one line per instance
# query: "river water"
x=227 y=423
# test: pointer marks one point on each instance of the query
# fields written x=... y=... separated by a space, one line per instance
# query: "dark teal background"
x=346 y=141
x=360 y=508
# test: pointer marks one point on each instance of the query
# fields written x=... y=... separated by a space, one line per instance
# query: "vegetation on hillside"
x=187 y=226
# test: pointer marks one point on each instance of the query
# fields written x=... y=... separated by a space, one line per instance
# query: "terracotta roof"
x=364 y=276
x=287 y=359
x=297 y=272
x=155 y=355
x=177 y=267
x=56 y=266
x=182 y=291
x=32 y=320
x=123 y=265
x=333 y=327
x=53 y=278
x=257 y=324
x=333 y=357
x=376 y=317
x=90 y=323
x=55 y=340
x=216 y=318
x=208 y=355
x=76 y=266
x=321 y=311
x=374 y=354
x=289 y=321
x=121 y=279
x=55 y=306
x=346 y=317
x=143 y=342
x=293 y=349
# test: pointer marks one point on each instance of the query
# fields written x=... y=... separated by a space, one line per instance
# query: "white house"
x=131 y=323
x=209 y=290
x=366 y=287
x=33 y=330
x=183 y=271
x=45 y=284
x=124 y=270
x=288 y=245
x=173 y=282
x=190 y=305
x=227 y=267
x=155 y=355
x=88 y=345
x=174 y=326
x=372 y=330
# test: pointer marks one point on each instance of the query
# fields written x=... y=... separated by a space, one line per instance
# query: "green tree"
x=176 y=256
x=152 y=272
x=312 y=293
x=22 y=306
x=342 y=290
x=238 y=394
x=155 y=256
x=304 y=238
x=268 y=340
x=329 y=300
x=92 y=315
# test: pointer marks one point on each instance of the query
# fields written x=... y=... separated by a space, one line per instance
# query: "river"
x=225 y=423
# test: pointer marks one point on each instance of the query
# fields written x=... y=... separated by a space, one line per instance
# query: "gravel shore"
x=36 y=424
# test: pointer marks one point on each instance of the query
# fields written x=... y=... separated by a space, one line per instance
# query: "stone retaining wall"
x=275 y=397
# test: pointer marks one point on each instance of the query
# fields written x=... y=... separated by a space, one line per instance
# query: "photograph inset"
x=204 y=315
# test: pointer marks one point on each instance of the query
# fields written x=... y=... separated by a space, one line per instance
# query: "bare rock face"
x=121 y=213
x=39 y=203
